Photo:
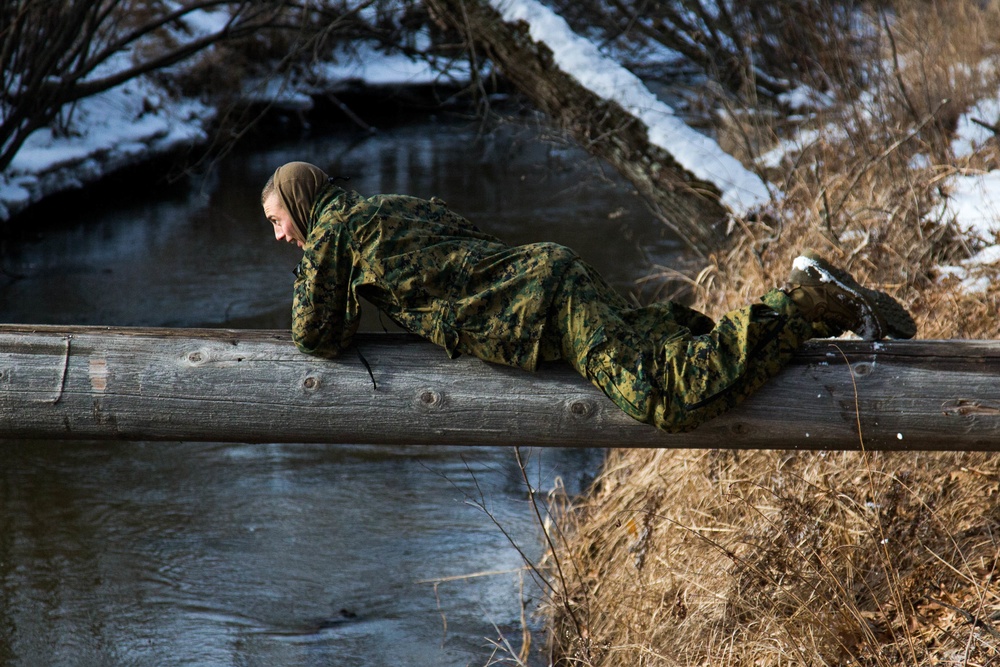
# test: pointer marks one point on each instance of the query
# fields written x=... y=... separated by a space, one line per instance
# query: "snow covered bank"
x=138 y=121
x=742 y=190
x=364 y=64
x=98 y=135
x=124 y=126
x=972 y=200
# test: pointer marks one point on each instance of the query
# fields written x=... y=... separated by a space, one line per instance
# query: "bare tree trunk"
x=113 y=383
x=689 y=206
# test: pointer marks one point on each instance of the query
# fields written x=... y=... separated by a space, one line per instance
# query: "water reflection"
x=195 y=554
x=203 y=256
x=285 y=554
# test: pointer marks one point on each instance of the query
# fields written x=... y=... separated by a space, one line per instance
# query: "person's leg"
x=662 y=373
x=701 y=377
x=586 y=315
x=678 y=371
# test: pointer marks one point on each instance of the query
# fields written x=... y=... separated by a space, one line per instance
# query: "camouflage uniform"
x=436 y=275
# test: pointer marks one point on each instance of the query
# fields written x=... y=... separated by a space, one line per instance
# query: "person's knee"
x=624 y=377
x=674 y=417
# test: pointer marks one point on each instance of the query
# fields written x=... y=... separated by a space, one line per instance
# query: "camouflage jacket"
x=428 y=269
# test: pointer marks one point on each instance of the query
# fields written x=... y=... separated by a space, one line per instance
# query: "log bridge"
x=219 y=385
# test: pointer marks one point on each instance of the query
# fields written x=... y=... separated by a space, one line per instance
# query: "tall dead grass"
x=777 y=558
x=820 y=558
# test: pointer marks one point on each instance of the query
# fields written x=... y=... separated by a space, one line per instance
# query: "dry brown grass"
x=777 y=558
x=854 y=193
x=839 y=558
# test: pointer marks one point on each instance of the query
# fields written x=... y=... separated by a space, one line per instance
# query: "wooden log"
x=254 y=386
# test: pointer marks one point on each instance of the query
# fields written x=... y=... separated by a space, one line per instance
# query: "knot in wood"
x=196 y=357
x=311 y=383
x=863 y=368
x=581 y=408
x=429 y=399
x=964 y=407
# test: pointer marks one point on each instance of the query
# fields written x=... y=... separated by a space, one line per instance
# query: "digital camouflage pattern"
x=429 y=270
x=436 y=275
x=666 y=364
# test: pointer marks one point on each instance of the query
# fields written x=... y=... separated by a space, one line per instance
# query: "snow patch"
x=806 y=97
x=974 y=203
x=811 y=266
x=138 y=120
x=377 y=68
x=970 y=135
x=742 y=190
x=970 y=274
x=772 y=159
x=203 y=22
x=100 y=135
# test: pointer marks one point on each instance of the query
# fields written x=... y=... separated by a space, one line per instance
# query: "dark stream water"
x=229 y=554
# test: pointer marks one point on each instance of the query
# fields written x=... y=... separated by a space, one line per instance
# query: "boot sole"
x=882 y=307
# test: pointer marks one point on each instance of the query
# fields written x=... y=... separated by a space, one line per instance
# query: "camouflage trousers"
x=666 y=364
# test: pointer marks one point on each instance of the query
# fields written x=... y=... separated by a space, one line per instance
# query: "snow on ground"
x=138 y=120
x=121 y=127
x=742 y=190
x=376 y=68
x=973 y=199
x=363 y=63
x=96 y=136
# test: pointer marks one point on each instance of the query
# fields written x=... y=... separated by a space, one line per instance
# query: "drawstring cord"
x=362 y=357
x=367 y=367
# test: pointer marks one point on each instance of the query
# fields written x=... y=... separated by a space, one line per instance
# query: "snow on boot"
x=826 y=293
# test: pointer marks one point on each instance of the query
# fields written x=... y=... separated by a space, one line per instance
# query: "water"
x=209 y=554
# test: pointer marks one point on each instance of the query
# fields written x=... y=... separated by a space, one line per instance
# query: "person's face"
x=281 y=220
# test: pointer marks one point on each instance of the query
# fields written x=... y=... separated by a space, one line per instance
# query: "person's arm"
x=325 y=312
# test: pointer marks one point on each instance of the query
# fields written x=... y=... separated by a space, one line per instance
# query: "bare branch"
x=52 y=54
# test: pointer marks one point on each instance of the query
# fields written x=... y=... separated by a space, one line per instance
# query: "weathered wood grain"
x=254 y=386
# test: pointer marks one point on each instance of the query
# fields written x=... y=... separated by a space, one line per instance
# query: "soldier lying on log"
x=436 y=275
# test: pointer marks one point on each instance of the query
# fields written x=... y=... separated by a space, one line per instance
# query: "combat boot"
x=827 y=294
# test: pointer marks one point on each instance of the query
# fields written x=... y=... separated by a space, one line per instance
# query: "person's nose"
x=279 y=233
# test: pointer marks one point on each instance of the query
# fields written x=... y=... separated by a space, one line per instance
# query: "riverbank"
x=823 y=558
x=140 y=121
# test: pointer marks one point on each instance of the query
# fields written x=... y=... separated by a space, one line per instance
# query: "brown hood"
x=297 y=184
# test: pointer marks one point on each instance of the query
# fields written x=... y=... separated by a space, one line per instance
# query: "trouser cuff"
x=782 y=304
